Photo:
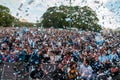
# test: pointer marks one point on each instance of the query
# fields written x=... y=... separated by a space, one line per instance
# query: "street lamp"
x=70 y=3
x=70 y=15
x=70 y=18
x=37 y=22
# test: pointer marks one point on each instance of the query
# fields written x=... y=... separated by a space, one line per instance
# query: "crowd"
x=79 y=54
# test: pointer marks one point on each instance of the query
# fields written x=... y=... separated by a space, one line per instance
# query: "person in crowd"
x=85 y=70
x=73 y=72
x=59 y=73
x=52 y=46
x=38 y=73
x=113 y=57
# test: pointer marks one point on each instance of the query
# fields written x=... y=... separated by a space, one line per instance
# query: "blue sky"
x=108 y=11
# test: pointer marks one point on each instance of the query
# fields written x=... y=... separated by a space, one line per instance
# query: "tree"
x=85 y=18
x=4 y=9
x=54 y=18
x=81 y=17
x=5 y=18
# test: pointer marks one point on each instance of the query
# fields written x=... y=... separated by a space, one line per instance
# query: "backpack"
x=72 y=74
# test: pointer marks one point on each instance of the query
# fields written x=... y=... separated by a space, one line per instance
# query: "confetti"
x=96 y=2
x=17 y=14
x=20 y=6
x=30 y=2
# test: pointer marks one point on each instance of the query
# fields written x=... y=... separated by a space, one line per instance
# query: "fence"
x=7 y=72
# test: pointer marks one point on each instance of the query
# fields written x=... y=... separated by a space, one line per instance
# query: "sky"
x=108 y=11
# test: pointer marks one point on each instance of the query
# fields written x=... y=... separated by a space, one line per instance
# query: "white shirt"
x=85 y=71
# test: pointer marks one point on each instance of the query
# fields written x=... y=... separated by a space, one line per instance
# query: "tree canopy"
x=5 y=18
x=64 y=16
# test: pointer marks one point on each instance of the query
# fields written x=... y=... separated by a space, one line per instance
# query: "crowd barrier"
x=7 y=72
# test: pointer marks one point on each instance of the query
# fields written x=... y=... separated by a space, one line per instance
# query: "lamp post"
x=70 y=11
x=37 y=22
x=70 y=16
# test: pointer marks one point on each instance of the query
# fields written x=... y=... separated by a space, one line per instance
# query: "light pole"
x=37 y=24
x=70 y=14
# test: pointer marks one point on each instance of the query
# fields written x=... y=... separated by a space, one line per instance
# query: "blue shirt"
x=113 y=56
x=102 y=58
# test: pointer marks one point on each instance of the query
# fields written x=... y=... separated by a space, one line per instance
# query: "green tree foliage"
x=4 y=9
x=5 y=18
x=53 y=17
x=81 y=17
